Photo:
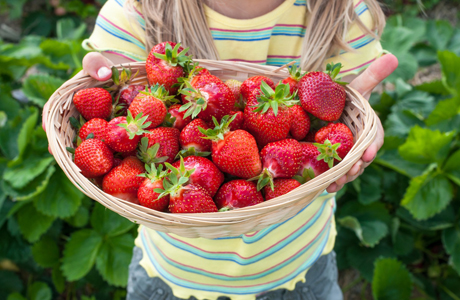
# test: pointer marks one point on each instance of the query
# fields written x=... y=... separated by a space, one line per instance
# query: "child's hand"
x=364 y=84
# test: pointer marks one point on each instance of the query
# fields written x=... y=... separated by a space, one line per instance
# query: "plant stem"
x=352 y=284
x=448 y=292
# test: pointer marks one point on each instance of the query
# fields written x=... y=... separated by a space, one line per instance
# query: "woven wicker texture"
x=357 y=115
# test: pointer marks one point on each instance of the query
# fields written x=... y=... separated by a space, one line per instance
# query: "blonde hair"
x=185 y=21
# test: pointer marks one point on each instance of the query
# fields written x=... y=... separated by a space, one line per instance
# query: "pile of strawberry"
x=189 y=143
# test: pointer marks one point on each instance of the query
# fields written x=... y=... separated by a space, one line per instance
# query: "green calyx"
x=176 y=179
x=270 y=98
x=135 y=126
x=295 y=72
x=307 y=175
x=153 y=173
x=77 y=124
x=333 y=70
x=197 y=102
x=328 y=152
x=159 y=92
x=173 y=57
x=220 y=130
x=168 y=121
x=124 y=77
x=191 y=152
x=264 y=179
x=149 y=155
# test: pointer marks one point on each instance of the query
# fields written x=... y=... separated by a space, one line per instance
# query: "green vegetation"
x=398 y=224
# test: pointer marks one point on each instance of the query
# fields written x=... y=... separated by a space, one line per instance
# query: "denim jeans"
x=321 y=283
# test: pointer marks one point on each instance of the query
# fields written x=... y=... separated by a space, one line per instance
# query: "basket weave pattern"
x=357 y=115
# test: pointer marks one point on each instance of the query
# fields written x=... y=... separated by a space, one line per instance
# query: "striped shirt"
x=245 y=266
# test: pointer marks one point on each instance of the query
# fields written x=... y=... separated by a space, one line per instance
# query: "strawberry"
x=124 y=133
x=238 y=121
x=253 y=83
x=127 y=96
x=269 y=120
x=300 y=123
x=206 y=96
x=93 y=103
x=236 y=194
x=281 y=187
x=116 y=162
x=206 y=174
x=179 y=121
x=279 y=160
x=310 y=137
x=126 y=92
x=159 y=145
x=192 y=139
x=94 y=158
x=293 y=80
x=321 y=96
x=151 y=104
x=123 y=181
x=235 y=86
x=96 y=126
x=146 y=193
x=185 y=198
x=165 y=64
x=310 y=162
x=334 y=142
x=234 y=152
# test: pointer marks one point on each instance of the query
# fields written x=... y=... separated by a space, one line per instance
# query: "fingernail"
x=103 y=72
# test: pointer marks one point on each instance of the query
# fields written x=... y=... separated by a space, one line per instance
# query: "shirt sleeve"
x=366 y=48
x=118 y=31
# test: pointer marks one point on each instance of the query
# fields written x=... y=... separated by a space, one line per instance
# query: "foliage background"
x=398 y=224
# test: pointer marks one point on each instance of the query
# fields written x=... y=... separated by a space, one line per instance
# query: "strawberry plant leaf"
x=80 y=218
x=442 y=220
x=444 y=110
x=427 y=195
x=58 y=279
x=451 y=242
x=16 y=296
x=46 y=252
x=80 y=253
x=391 y=280
x=39 y=291
x=10 y=282
x=108 y=223
x=33 y=230
x=39 y=88
x=369 y=232
x=20 y=175
x=370 y=184
x=433 y=87
x=113 y=257
x=450 y=65
x=426 y=146
x=60 y=198
x=439 y=33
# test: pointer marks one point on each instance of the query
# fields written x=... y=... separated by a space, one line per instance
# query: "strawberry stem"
x=264 y=179
x=135 y=126
x=173 y=57
x=328 y=152
x=196 y=103
x=220 y=130
x=153 y=173
x=270 y=98
x=149 y=155
x=191 y=152
x=175 y=180
x=159 y=92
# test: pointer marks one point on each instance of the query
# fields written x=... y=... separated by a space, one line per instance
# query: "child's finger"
x=97 y=66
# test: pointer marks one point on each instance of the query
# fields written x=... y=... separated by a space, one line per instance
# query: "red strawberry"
x=123 y=181
x=238 y=122
x=281 y=187
x=116 y=162
x=151 y=104
x=96 y=126
x=253 y=83
x=146 y=193
x=126 y=92
x=159 y=145
x=300 y=123
x=94 y=158
x=310 y=136
x=310 y=162
x=191 y=137
x=279 y=160
x=127 y=96
x=321 y=96
x=234 y=152
x=270 y=120
x=293 y=80
x=235 y=86
x=164 y=65
x=124 y=133
x=93 y=103
x=206 y=96
x=334 y=142
x=205 y=173
x=236 y=194
x=179 y=122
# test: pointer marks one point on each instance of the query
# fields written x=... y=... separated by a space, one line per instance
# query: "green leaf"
x=58 y=279
x=369 y=232
x=33 y=230
x=439 y=33
x=39 y=88
x=34 y=188
x=108 y=223
x=39 y=291
x=370 y=183
x=60 y=198
x=9 y=134
x=80 y=218
x=25 y=134
x=451 y=242
x=391 y=280
x=450 y=65
x=445 y=109
x=46 y=252
x=66 y=30
x=433 y=87
x=403 y=242
x=442 y=220
x=80 y=253
x=426 y=146
x=20 y=175
x=452 y=164
x=16 y=296
x=10 y=282
x=391 y=159
x=113 y=259
x=427 y=195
